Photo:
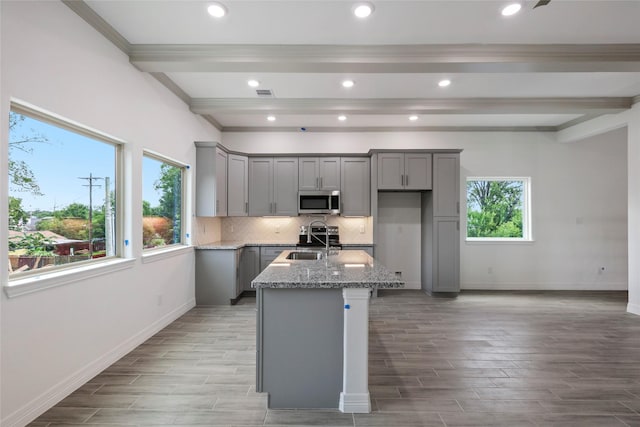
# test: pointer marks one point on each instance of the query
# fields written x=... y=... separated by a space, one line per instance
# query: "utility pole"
x=91 y=178
x=108 y=219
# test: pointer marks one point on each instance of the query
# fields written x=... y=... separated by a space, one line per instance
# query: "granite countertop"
x=237 y=244
x=345 y=269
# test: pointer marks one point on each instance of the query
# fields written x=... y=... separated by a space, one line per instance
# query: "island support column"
x=355 y=369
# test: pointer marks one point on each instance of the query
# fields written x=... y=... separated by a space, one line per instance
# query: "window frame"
x=29 y=281
x=156 y=252
x=527 y=235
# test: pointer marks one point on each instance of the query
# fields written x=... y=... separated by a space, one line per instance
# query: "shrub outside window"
x=498 y=208
x=62 y=193
x=162 y=205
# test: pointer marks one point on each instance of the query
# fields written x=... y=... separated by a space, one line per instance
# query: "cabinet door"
x=260 y=186
x=221 y=183
x=308 y=173
x=329 y=173
x=446 y=184
x=238 y=186
x=249 y=266
x=205 y=179
x=356 y=191
x=446 y=254
x=390 y=171
x=285 y=186
x=417 y=171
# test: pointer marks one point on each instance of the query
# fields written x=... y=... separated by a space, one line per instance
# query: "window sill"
x=499 y=241
x=30 y=284
x=153 y=255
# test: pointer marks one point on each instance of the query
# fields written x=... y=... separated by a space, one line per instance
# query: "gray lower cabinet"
x=446 y=254
x=367 y=248
x=218 y=276
x=269 y=253
x=249 y=266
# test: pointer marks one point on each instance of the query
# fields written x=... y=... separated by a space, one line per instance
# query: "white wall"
x=634 y=209
x=56 y=339
x=579 y=195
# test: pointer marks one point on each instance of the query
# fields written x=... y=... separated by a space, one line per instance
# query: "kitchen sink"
x=305 y=255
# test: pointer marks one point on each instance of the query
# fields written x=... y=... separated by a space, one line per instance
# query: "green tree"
x=16 y=213
x=21 y=177
x=74 y=210
x=170 y=186
x=494 y=208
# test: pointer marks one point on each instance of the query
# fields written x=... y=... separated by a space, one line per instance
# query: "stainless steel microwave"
x=319 y=202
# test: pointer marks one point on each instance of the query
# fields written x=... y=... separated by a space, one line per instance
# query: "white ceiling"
x=543 y=68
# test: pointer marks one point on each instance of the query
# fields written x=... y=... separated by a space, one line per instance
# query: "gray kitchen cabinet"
x=269 y=253
x=238 y=185
x=404 y=171
x=446 y=184
x=446 y=254
x=211 y=179
x=273 y=186
x=355 y=178
x=318 y=173
x=249 y=266
x=218 y=276
x=367 y=248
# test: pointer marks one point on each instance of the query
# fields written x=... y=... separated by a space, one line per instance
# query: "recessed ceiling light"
x=253 y=83
x=342 y=118
x=363 y=10
x=271 y=118
x=511 y=9
x=444 y=83
x=348 y=83
x=413 y=118
x=217 y=10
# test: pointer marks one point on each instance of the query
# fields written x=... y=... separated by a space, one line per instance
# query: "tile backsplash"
x=277 y=229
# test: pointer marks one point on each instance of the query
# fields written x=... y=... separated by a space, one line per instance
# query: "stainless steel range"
x=317 y=237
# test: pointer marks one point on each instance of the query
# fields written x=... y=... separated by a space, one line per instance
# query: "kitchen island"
x=313 y=329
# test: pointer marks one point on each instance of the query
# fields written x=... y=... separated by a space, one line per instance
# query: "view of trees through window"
x=495 y=208
x=62 y=200
x=162 y=203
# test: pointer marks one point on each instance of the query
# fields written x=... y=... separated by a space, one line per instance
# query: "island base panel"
x=300 y=347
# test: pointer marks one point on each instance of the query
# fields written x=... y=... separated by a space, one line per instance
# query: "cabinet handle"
x=246 y=207
x=457 y=225
x=458 y=207
x=320 y=182
x=270 y=207
x=317 y=182
x=217 y=206
x=402 y=180
x=406 y=180
x=275 y=207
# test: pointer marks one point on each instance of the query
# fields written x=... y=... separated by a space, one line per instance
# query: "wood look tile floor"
x=482 y=359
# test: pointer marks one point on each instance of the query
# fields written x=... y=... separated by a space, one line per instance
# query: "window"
x=162 y=202
x=498 y=209
x=62 y=193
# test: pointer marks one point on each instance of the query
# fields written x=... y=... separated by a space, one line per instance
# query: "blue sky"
x=58 y=164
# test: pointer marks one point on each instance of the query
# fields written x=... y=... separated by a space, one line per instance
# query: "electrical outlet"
x=231 y=228
x=277 y=228
x=362 y=229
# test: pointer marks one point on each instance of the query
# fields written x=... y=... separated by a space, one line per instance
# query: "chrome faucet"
x=326 y=237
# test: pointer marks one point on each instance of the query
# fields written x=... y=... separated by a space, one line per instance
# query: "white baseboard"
x=613 y=286
x=633 y=308
x=55 y=394
x=358 y=403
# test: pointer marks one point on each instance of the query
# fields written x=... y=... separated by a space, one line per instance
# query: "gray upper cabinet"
x=319 y=173
x=211 y=180
x=221 y=183
x=273 y=186
x=446 y=184
x=404 y=171
x=355 y=175
x=238 y=185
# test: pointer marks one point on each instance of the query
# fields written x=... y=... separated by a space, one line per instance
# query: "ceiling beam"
x=503 y=58
x=213 y=106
